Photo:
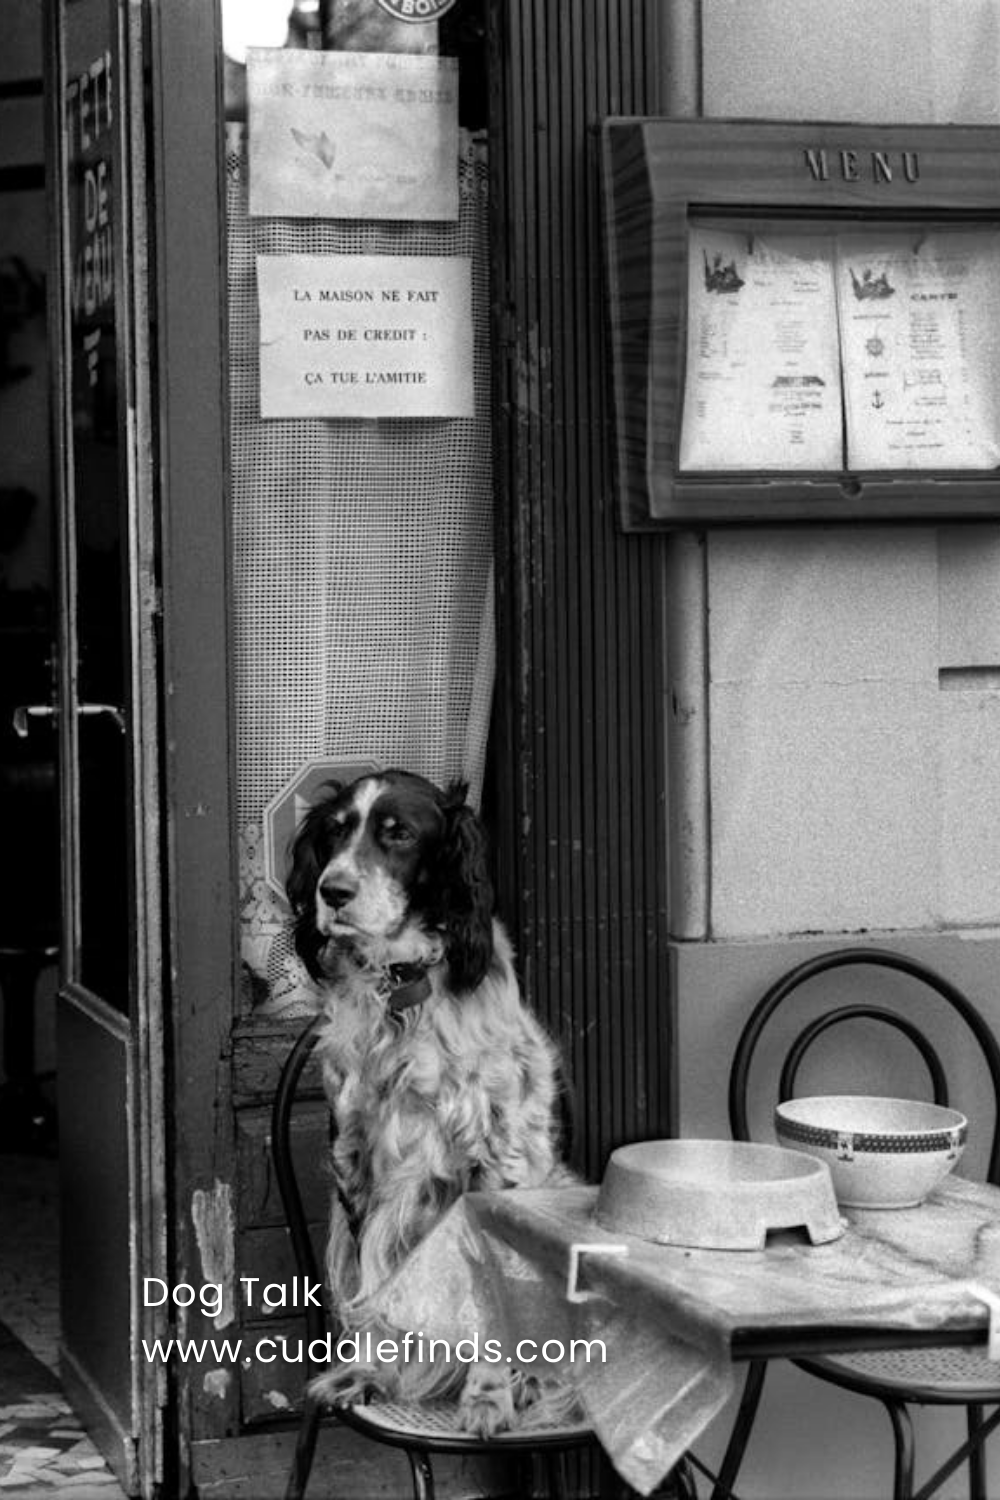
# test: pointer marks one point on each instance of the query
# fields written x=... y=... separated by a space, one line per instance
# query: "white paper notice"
x=365 y=336
x=762 y=386
x=352 y=135
x=920 y=329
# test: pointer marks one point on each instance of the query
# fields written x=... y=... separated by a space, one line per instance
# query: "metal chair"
x=420 y=1430
x=899 y=1379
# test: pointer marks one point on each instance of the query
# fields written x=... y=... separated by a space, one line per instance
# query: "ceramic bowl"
x=882 y=1153
x=717 y=1195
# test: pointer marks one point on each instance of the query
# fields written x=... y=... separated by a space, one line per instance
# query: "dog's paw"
x=487 y=1403
x=348 y=1384
x=545 y=1401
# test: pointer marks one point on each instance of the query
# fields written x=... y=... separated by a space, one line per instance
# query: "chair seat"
x=438 y=1421
x=921 y=1375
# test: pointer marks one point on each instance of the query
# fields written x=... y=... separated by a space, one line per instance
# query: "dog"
x=439 y=1078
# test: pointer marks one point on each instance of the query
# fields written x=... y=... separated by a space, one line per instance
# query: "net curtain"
x=363 y=564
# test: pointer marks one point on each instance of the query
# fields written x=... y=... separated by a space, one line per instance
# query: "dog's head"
x=387 y=858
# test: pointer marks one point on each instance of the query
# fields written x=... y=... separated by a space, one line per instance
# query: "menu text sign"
x=365 y=336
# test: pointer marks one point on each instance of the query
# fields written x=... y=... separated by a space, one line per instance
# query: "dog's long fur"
x=456 y=1090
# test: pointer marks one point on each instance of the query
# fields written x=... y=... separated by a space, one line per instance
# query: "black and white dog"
x=439 y=1078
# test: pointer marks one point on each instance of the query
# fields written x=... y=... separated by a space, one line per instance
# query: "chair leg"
x=305 y=1449
x=422 y=1473
x=686 y=1487
x=742 y=1427
x=977 y=1456
x=524 y=1473
x=611 y=1485
x=555 y=1476
x=902 y=1432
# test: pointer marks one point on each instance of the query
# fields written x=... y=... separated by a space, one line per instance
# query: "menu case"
x=803 y=321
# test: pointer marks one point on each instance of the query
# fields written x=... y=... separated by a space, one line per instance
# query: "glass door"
x=109 y=1007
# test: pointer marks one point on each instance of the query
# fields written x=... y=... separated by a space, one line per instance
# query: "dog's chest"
x=376 y=1062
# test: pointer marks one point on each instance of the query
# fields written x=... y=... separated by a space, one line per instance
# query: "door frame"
x=198 y=721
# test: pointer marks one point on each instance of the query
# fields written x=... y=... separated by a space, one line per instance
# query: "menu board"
x=866 y=350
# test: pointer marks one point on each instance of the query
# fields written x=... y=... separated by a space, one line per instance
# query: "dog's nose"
x=336 y=893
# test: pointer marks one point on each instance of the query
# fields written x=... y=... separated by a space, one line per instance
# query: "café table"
x=535 y=1266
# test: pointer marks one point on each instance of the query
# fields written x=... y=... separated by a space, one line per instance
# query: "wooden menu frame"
x=659 y=176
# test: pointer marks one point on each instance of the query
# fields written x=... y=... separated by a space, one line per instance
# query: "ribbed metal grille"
x=579 y=756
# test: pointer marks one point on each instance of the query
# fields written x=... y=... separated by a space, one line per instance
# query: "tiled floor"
x=29 y=1252
x=43 y=1448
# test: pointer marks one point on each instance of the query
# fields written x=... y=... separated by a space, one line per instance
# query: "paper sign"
x=919 y=314
x=352 y=135
x=365 y=336
x=763 y=364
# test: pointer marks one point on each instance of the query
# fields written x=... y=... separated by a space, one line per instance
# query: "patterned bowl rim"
x=893 y=1142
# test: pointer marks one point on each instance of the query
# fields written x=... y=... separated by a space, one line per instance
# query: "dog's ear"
x=467 y=891
x=306 y=865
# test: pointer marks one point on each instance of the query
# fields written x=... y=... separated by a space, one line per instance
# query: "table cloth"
x=509 y=1267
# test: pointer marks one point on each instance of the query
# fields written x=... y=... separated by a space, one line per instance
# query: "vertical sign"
x=90 y=122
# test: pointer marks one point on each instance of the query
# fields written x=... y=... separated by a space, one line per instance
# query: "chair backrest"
x=284 y=1170
x=783 y=988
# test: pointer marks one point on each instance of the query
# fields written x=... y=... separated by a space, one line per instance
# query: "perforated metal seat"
x=432 y=1421
x=897 y=1378
x=956 y=1375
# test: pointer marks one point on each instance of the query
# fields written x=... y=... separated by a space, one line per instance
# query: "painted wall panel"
x=824 y=808
x=970 y=804
x=969 y=575
x=833 y=605
x=823 y=728
x=931 y=61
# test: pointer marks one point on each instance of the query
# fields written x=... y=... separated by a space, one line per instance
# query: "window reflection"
x=267 y=23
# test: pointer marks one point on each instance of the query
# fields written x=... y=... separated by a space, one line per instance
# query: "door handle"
x=25 y=712
x=93 y=709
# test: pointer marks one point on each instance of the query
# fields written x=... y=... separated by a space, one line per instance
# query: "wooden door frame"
x=192 y=364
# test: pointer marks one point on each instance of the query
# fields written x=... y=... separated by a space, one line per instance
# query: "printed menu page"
x=920 y=333
x=763 y=361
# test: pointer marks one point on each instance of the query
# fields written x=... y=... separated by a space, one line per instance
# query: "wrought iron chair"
x=419 y=1430
x=899 y=1379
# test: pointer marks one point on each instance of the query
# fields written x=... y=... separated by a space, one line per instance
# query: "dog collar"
x=405 y=985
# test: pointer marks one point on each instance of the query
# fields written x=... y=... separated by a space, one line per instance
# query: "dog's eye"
x=395 y=832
